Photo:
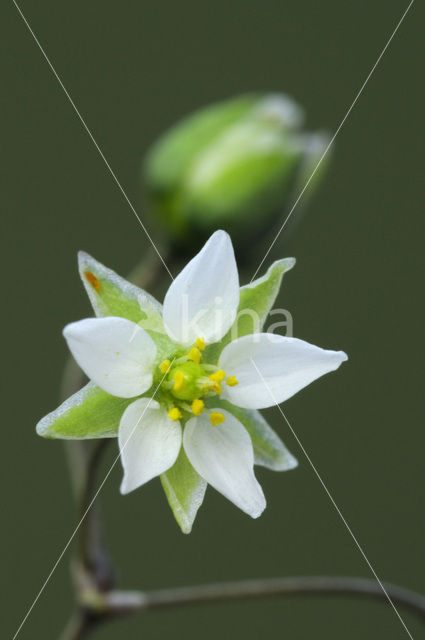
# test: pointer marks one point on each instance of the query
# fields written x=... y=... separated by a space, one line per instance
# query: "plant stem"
x=76 y=629
x=96 y=609
x=288 y=587
x=117 y=604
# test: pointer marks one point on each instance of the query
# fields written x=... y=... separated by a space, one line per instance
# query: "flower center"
x=188 y=382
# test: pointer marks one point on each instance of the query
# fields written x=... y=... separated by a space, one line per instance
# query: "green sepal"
x=112 y=295
x=260 y=296
x=255 y=303
x=165 y=347
x=89 y=413
x=185 y=490
x=269 y=450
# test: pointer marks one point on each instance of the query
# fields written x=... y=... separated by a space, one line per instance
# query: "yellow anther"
x=218 y=376
x=197 y=407
x=200 y=343
x=216 y=387
x=216 y=418
x=194 y=355
x=231 y=381
x=178 y=381
x=175 y=414
x=165 y=366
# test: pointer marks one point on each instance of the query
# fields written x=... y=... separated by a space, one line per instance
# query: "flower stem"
x=287 y=587
x=116 y=604
x=77 y=628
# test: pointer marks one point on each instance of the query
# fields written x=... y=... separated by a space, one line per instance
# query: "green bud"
x=232 y=166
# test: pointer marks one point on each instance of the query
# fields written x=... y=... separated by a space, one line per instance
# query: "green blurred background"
x=133 y=69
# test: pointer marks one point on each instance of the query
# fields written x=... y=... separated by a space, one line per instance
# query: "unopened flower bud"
x=232 y=166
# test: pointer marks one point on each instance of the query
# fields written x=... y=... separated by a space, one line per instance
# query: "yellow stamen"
x=165 y=366
x=175 y=414
x=218 y=376
x=194 y=355
x=231 y=381
x=178 y=381
x=200 y=343
x=216 y=418
x=197 y=407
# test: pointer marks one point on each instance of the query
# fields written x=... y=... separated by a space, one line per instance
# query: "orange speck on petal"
x=91 y=278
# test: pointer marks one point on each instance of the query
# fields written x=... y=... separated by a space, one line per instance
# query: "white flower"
x=182 y=392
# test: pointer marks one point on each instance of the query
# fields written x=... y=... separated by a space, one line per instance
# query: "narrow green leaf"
x=89 y=413
x=185 y=490
x=255 y=303
x=112 y=295
x=269 y=450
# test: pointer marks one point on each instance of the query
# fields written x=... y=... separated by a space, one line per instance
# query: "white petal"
x=113 y=352
x=149 y=442
x=223 y=455
x=271 y=368
x=202 y=301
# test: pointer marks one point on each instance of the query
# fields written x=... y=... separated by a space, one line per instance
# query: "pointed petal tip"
x=220 y=233
x=342 y=356
x=124 y=488
x=68 y=330
x=72 y=330
x=256 y=513
x=336 y=359
x=220 y=236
